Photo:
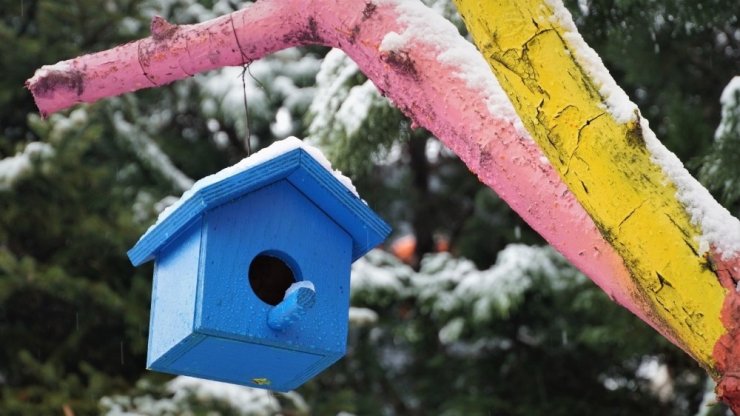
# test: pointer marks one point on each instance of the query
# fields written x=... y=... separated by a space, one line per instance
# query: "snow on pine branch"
x=334 y=82
x=347 y=115
x=14 y=167
x=187 y=395
x=347 y=104
x=730 y=100
x=285 y=76
x=149 y=152
x=721 y=167
x=450 y=288
x=362 y=316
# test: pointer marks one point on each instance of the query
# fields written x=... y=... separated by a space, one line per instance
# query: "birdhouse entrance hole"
x=270 y=277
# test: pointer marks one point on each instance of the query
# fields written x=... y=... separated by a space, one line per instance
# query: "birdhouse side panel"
x=275 y=221
x=174 y=293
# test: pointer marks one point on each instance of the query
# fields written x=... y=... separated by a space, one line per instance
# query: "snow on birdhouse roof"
x=327 y=188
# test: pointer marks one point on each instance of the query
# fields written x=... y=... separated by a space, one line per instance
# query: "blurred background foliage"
x=531 y=337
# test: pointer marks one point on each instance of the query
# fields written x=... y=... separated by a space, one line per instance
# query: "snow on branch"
x=150 y=154
x=14 y=167
x=453 y=290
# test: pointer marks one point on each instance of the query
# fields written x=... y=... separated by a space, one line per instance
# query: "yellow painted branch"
x=602 y=157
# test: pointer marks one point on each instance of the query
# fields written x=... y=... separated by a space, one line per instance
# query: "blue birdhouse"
x=252 y=267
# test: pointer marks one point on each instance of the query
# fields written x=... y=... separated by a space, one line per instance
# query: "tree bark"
x=422 y=222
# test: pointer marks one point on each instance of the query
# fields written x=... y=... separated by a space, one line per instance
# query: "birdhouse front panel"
x=286 y=228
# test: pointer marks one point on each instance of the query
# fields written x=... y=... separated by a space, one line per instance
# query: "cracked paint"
x=606 y=165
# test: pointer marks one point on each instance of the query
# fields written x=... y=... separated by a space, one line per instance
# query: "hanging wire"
x=248 y=139
x=245 y=69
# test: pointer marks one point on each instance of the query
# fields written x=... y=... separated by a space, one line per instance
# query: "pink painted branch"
x=413 y=56
x=171 y=53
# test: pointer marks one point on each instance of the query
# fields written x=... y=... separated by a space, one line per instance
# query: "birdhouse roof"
x=290 y=159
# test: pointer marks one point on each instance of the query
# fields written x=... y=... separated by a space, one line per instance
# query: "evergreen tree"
x=528 y=336
x=72 y=311
x=720 y=170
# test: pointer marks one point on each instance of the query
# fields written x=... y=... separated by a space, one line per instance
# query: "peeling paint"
x=162 y=29
x=71 y=80
x=606 y=165
x=401 y=62
x=369 y=10
x=727 y=348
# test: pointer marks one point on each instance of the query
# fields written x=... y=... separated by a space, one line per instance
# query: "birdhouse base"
x=245 y=363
